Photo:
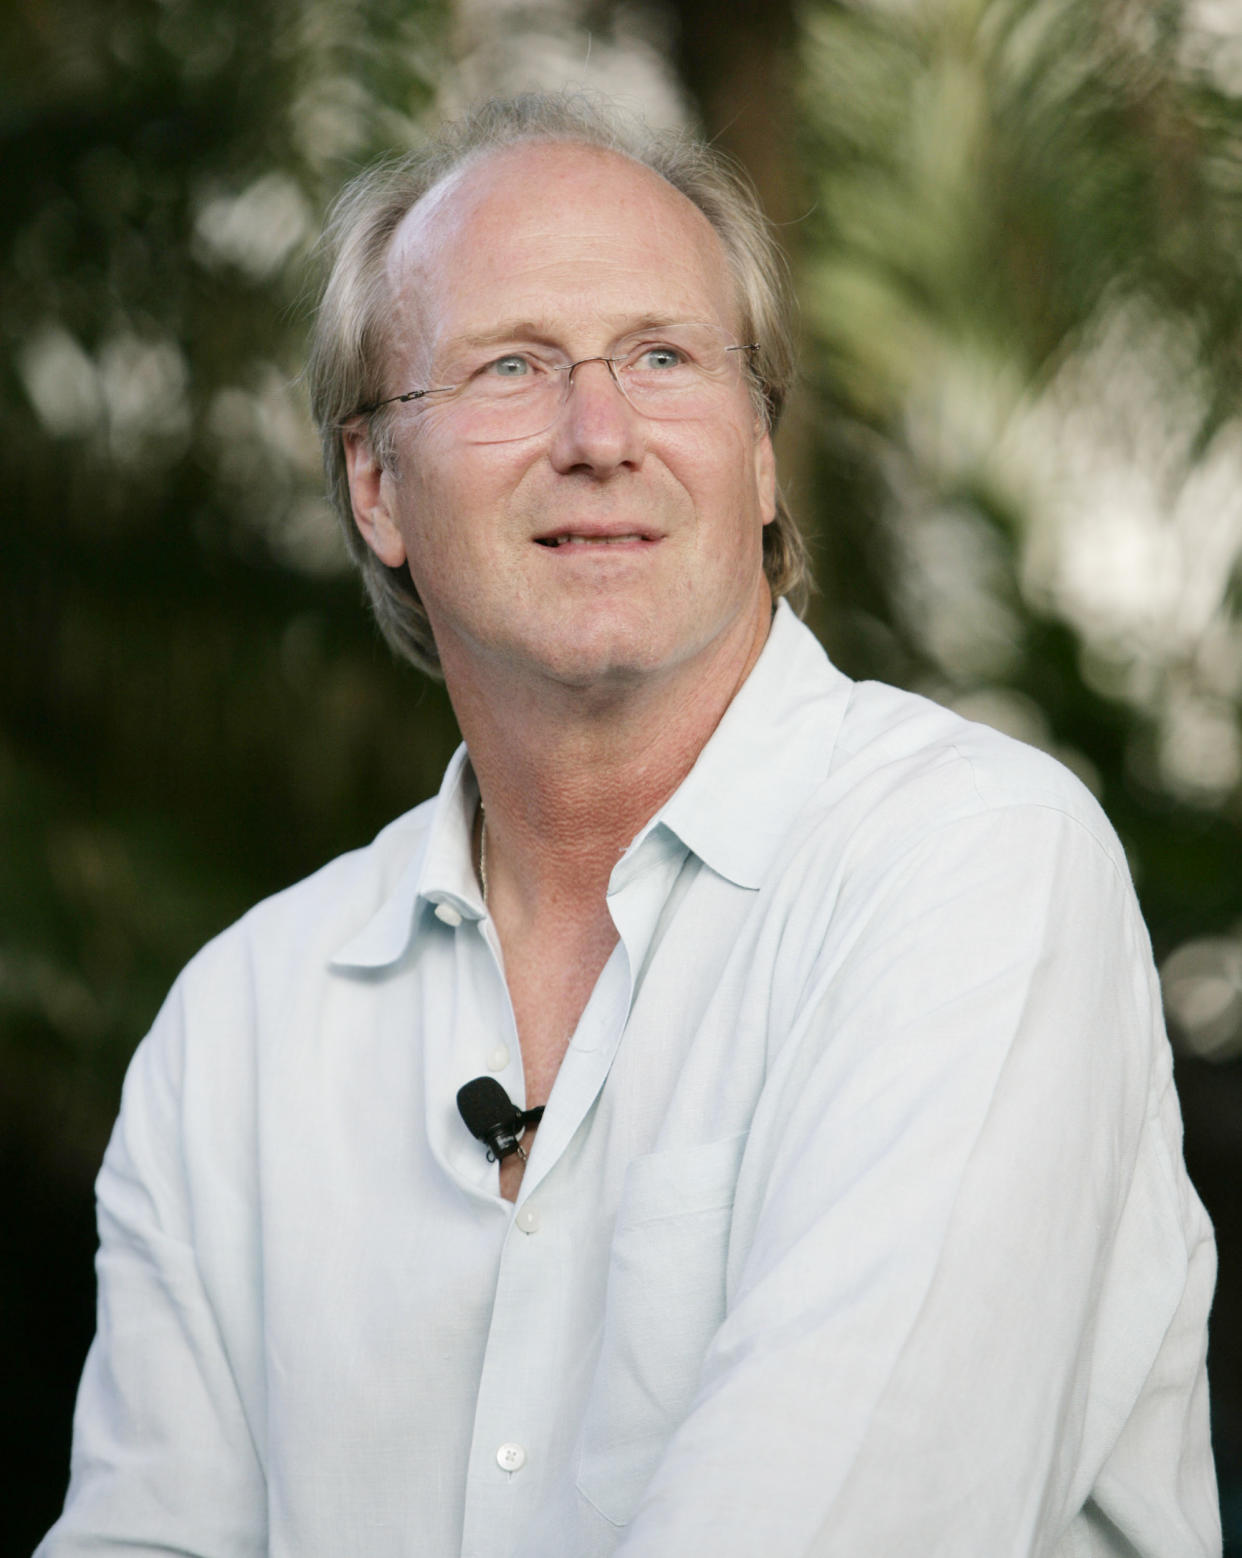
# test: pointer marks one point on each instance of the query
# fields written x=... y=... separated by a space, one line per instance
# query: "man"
x=856 y=1223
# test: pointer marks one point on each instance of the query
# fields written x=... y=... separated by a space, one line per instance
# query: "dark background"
x=1015 y=231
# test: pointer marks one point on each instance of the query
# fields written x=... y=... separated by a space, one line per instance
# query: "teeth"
x=590 y=540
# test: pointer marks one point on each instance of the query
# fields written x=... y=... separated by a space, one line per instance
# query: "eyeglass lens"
x=678 y=373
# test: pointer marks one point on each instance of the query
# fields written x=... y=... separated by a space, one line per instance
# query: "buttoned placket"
x=508 y=1469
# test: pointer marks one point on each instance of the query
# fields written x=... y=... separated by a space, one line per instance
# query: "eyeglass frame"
x=567 y=369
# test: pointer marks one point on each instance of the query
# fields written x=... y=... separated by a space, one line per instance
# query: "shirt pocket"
x=665 y=1301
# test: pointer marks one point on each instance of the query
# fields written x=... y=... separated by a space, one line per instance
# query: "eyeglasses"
x=671 y=373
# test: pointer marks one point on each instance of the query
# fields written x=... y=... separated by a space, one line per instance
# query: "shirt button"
x=511 y=1457
x=528 y=1219
x=498 y=1058
x=446 y=913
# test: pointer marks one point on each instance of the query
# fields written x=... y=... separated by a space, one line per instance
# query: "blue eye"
x=512 y=366
x=660 y=357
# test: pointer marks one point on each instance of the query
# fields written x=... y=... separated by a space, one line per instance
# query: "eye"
x=660 y=358
x=511 y=366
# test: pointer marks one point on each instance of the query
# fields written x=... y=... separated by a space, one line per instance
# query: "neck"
x=569 y=775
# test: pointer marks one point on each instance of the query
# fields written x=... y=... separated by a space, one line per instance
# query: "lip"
x=597 y=538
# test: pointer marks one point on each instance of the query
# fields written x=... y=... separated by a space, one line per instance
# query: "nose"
x=597 y=430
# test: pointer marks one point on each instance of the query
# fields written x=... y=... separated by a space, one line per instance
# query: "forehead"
x=567 y=233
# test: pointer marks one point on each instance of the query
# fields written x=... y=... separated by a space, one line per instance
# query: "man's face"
x=657 y=524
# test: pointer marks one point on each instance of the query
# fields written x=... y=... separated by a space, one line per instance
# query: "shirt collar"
x=771 y=747
x=440 y=873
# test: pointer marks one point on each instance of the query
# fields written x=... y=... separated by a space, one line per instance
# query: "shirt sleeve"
x=164 y=1459
x=963 y=1242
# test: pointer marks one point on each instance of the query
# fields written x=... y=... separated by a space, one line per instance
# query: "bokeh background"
x=1016 y=232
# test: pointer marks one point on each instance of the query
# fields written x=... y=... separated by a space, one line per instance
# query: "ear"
x=765 y=475
x=372 y=497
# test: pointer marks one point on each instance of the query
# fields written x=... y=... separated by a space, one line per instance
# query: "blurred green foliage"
x=195 y=708
x=1016 y=227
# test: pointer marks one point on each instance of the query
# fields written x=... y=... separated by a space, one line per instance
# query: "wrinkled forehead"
x=560 y=220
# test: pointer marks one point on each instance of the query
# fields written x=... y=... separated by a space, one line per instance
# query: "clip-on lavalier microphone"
x=492 y=1116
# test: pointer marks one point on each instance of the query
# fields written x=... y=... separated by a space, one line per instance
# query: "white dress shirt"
x=856 y=1227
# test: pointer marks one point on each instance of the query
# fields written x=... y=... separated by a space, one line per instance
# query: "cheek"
x=728 y=482
x=461 y=479
x=454 y=506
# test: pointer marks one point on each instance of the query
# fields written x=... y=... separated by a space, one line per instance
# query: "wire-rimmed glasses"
x=672 y=372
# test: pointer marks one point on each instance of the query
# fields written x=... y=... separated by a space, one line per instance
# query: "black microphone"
x=492 y=1116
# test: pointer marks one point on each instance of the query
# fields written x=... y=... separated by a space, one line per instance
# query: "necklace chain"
x=483 y=853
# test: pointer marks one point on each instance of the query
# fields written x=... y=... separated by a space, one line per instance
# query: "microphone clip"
x=493 y=1118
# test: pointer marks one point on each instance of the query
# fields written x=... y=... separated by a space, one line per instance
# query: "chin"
x=594 y=641
x=598 y=667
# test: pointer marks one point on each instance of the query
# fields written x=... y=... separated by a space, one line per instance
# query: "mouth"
x=592 y=541
x=574 y=538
